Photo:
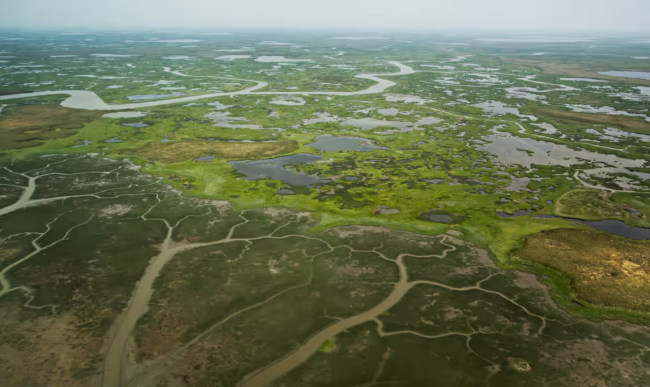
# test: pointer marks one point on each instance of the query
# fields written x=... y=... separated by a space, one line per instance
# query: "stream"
x=88 y=100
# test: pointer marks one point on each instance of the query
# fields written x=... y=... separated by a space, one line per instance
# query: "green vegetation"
x=588 y=204
x=30 y=126
x=328 y=346
x=428 y=190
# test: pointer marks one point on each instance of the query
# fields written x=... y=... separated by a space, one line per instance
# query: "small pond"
x=114 y=139
x=275 y=169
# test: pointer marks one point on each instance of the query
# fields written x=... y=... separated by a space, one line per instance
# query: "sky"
x=498 y=15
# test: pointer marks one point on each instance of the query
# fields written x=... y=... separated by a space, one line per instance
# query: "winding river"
x=88 y=100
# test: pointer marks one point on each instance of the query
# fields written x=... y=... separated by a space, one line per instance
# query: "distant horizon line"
x=78 y=30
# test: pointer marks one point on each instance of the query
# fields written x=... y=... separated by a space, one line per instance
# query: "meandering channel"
x=275 y=370
x=88 y=100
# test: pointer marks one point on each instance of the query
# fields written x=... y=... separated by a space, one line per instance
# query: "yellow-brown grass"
x=580 y=70
x=588 y=204
x=27 y=126
x=604 y=269
x=575 y=118
x=191 y=149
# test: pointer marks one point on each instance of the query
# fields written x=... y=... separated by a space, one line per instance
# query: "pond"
x=136 y=125
x=611 y=226
x=329 y=143
x=83 y=143
x=204 y=158
x=439 y=216
x=275 y=169
x=114 y=139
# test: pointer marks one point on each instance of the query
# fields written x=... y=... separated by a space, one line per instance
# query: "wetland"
x=408 y=209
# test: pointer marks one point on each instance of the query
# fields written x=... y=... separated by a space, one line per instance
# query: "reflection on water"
x=611 y=226
x=275 y=169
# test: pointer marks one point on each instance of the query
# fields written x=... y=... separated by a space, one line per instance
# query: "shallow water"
x=272 y=59
x=85 y=99
x=611 y=226
x=136 y=125
x=114 y=55
x=604 y=110
x=204 y=158
x=388 y=112
x=233 y=57
x=329 y=143
x=179 y=57
x=372 y=123
x=508 y=148
x=288 y=101
x=583 y=80
x=519 y=184
x=124 y=115
x=274 y=169
x=114 y=139
x=143 y=97
x=223 y=119
x=516 y=214
x=496 y=108
x=440 y=218
x=548 y=128
x=321 y=117
x=628 y=74
x=83 y=143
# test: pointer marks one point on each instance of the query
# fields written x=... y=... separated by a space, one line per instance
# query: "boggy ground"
x=464 y=322
x=248 y=297
x=189 y=150
x=32 y=125
x=255 y=292
x=605 y=270
x=589 y=204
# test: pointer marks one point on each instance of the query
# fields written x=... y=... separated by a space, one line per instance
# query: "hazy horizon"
x=547 y=16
